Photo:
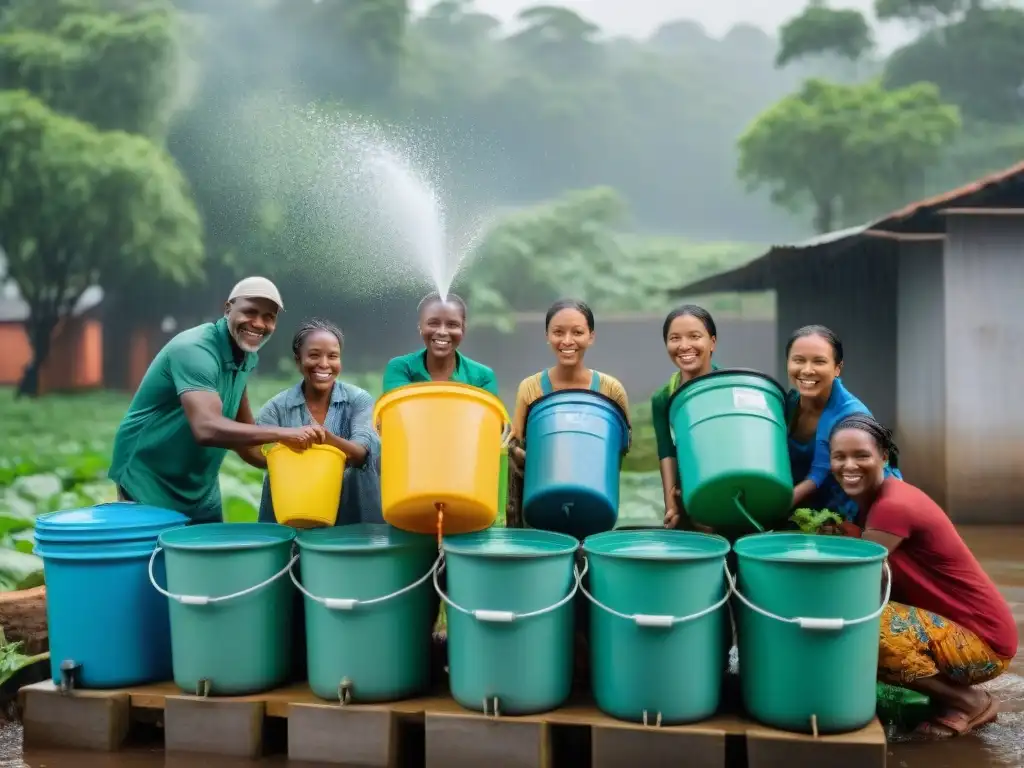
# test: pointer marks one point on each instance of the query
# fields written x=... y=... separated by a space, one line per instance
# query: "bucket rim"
x=389 y=538
x=723 y=546
x=600 y=396
x=873 y=551
x=270 y=448
x=731 y=371
x=239 y=536
x=438 y=388
x=466 y=543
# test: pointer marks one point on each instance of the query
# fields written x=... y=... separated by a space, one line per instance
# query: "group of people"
x=946 y=630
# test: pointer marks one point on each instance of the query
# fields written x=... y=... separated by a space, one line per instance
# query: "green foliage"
x=811 y=520
x=12 y=660
x=846 y=152
x=976 y=61
x=820 y=29
x=926 y=11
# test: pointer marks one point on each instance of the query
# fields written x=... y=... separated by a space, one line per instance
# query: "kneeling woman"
x=569 y=326
x=343 y=410
x=948 y=628
x=814 y=361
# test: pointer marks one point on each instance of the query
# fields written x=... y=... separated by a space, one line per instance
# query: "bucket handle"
x=507 y=617
x=348 y=603
x=828 y=625
x=663 y=622
x=205 y=600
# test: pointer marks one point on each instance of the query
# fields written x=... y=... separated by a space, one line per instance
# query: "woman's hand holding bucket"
x=301 y=438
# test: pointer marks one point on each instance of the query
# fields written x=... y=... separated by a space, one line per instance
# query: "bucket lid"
x=808 y=549
x=360 y=537
x=116 y=520
x=720 y=372
x=511 y=542
x=657 y=544
x=226 y=536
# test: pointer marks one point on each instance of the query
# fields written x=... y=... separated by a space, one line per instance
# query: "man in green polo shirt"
x=192 y=407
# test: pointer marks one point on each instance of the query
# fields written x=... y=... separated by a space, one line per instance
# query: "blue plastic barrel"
x=575 y=440
x=108 y=627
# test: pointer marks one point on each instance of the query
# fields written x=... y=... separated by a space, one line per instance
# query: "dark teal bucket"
x=510 y=619
x=658 y=624
x=808 y=626
x=368 y=611
x=230 y=606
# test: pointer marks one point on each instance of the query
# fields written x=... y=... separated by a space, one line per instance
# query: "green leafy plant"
x=811 y=520
x=12 y=660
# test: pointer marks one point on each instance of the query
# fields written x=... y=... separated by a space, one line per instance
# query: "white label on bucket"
x=749 y=398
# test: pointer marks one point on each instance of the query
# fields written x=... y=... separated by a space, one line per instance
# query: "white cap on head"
x=256 y=288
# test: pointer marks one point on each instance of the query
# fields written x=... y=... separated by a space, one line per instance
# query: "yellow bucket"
x=305 y=486
x=440 y=451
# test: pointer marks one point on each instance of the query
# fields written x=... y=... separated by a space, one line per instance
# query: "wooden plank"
x=89 y=720
x=324 y=733
x=626 y=745
x=470 y=740
x=227 y=727
x=770 y=748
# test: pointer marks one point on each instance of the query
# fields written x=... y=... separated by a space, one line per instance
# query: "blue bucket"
x=108 y=628
x=575 y=440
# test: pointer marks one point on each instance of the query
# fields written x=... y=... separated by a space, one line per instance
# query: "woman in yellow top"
x=569 y=326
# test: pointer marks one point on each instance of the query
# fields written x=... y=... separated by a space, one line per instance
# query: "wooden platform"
x=432 y=731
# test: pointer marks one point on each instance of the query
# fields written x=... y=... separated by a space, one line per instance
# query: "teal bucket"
x=230 y=606
x=510 y=619
x=368 y=611
x=808 y=618
x=659 y=624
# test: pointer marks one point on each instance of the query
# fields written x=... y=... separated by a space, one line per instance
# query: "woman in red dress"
x=947 y=628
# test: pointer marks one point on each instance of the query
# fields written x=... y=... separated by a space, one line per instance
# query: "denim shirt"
x=349 y=416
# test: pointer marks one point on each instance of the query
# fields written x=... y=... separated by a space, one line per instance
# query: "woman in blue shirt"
x=819 y=401
x=344 y=411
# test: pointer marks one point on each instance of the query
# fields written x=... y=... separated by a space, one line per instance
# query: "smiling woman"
x=342 y=410
x=442 y=324
x=819 y=400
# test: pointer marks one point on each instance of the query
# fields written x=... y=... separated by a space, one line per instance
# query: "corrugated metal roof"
x=755 y=275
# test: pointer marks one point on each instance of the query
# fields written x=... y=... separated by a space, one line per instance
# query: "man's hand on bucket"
x=301 y=438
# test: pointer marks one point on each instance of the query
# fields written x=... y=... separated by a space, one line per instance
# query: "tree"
x=820 y=30
x=77 y=206
x=846 y=151
x=927 y=12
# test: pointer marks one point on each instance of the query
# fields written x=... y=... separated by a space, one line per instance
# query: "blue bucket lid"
x=113 y=521
x=361 y=537
x=808 y=549
x=511 y=542
x=226 y=536
x=657 y=545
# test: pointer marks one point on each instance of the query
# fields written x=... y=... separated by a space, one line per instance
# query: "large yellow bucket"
x=440 y=451
x=305 y=486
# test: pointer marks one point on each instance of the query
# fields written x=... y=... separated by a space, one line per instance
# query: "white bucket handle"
x=506 y=617
x=350 y=603
x=205 y=600
x=828 y=625
x=664 y=622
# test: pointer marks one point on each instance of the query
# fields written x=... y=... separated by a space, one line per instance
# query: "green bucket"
x=808 y=618
x=657 y=635
x=368 y=611
x=730 y=434
x=503 y=483
x=510 y=619
x=230 y=606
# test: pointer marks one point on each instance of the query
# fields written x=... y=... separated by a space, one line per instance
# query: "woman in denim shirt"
x=343 y=410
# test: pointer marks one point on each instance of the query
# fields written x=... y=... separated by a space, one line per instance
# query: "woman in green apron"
x=690 y=335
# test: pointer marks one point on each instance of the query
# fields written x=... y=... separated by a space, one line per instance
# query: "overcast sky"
x=640 y=17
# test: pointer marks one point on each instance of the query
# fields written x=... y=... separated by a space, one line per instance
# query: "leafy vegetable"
x=12 y=660
x=810 y=520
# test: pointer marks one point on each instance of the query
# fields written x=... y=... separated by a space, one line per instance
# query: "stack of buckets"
x=659 y=628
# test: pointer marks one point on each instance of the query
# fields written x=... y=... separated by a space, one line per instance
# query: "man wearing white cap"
x=192 y=407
